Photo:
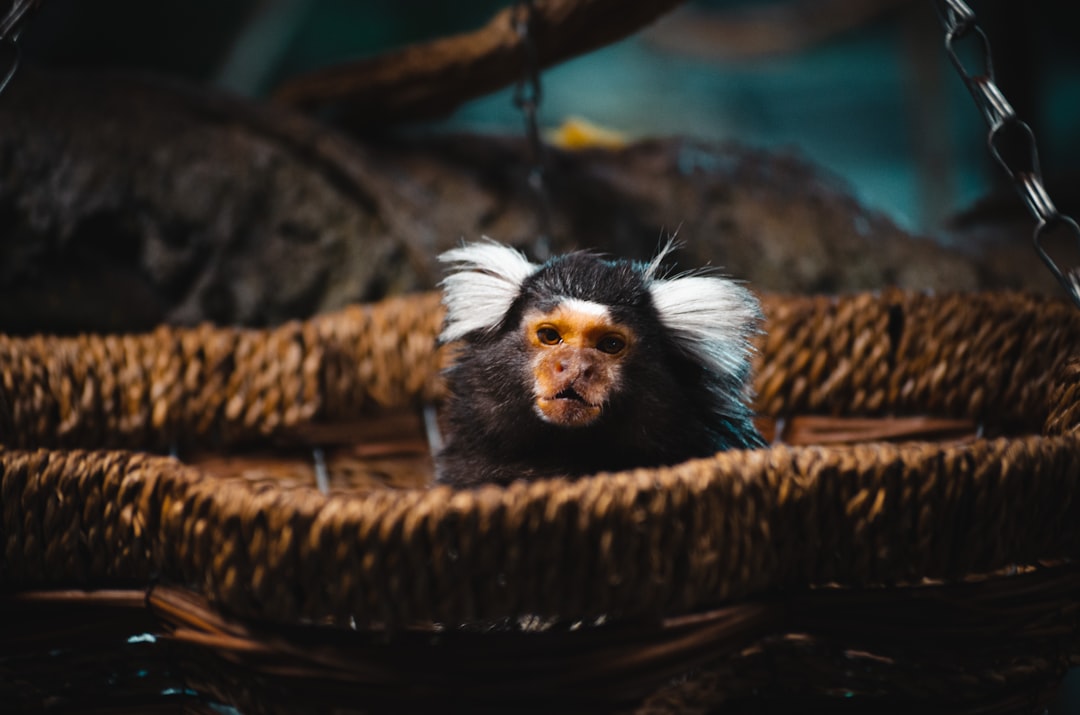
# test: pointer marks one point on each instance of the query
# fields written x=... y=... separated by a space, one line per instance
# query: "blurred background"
x=861 y=87
x=803 y=145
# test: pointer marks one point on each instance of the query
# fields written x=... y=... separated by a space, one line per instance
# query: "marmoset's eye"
x=611 y=344
x=548 y=336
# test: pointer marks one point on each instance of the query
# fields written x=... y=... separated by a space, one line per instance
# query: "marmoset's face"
x=577 y=352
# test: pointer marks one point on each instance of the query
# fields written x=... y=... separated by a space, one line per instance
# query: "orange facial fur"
x=577 y=355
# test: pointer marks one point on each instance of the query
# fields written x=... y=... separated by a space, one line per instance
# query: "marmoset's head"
x=584 y=345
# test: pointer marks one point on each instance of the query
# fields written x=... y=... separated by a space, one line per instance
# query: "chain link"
x=11 y=26
x=1010 y=140
x=527 y=96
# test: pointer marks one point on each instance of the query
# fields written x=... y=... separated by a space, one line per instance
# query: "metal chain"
x=527 y=96
x=10 y=27
x=1010 y=140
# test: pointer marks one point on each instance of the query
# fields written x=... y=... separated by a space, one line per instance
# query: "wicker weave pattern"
x=638 y=543
x=215 y=384
x=824 y=355
x=1065 y=401
x=991 y=357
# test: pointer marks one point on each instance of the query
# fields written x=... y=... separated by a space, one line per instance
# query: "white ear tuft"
x=712 y=318
x=652 y=270
x=485 y=280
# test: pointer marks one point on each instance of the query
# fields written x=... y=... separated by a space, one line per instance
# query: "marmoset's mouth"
x=570 y=394
x=567 y=408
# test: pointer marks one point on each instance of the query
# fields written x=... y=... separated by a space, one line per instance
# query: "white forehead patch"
x=485 y=279
x=587 y=307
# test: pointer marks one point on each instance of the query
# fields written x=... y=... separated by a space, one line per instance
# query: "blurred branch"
x=430 y=80
x=762 y=30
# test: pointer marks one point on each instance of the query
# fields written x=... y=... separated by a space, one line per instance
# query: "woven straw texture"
x=892 y=575
x=641 y=543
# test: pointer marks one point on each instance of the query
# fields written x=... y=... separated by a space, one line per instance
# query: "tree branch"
x=430 y=80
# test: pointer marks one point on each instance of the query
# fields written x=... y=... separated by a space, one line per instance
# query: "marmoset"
x=587 y=364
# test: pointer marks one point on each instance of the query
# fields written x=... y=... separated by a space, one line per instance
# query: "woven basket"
x=905 y=543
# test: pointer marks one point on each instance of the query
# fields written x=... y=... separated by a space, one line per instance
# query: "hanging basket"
x=906 y=540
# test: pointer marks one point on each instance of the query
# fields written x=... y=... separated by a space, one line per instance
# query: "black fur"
x=670 y=409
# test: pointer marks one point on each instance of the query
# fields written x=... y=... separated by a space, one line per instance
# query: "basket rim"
x=734 y=525
x=665 y=540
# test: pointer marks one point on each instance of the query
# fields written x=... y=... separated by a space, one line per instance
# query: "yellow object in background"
x=577 y=133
